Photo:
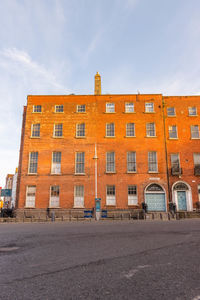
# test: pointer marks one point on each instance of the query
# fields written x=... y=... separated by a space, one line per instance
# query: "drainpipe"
x=166 y=156
x=97 y=213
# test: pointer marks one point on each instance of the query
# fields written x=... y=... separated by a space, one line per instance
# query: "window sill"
x=78 y=207
x=58 y=112
x=149 y=112
x=31 y=207
x=148 y=136
x=195 y=138
x=80 y=112
x=171 y=116
x=132 y=205
x=55 y=174
x=153 y=172
x=79 y=174
x=110 y=137
x=127 y=112
x=80 y=137
x=192 y=115
x=111 y=172
x=131 y=172
x=34 y=137
x=172 y=138
x=36 y=112
x=58 y=137
x=54 y=207
x=32 y=174
x=131 y=136
x=107 y=112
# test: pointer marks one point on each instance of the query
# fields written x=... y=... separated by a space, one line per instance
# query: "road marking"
x=132 y=272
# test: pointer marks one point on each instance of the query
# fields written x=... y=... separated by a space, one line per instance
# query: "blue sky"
x=56 y=47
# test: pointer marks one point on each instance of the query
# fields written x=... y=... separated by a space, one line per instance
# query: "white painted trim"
x=189 y=202
x=161 y=192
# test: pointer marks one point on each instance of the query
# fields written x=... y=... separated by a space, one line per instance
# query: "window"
x=196 y=163
x=33 y=162
x=175 y=163
x=30 y=195
x=192 y=111
x=54 y=196
x=79 y=196
x=132 y=195
x=171 y=111
x=110 y=129
x=110 y=162
x=173 y=132
x=131 y=162
x=35 y=132
x=152 y=161
x=110 y=107
x=56 y=163
x=129 y=107
x=59 y=108
x=37 y=108
x=194 y=131
x=130 y=129
x=110 y=195
x=150 y=129
x=58 y=130
x=80 y=130
x=149 y=107
x=80 y=163
x=80 y=108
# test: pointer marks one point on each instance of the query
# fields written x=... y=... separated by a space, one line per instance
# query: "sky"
x=57 y=46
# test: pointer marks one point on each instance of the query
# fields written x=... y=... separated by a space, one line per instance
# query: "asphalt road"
x=101 y=260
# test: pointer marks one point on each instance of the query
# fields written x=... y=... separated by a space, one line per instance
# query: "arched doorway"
x=155 y=197
x=182 y=196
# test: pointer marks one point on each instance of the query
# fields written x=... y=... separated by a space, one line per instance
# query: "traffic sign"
x=6 y=192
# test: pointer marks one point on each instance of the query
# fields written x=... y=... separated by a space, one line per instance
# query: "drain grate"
x=8 y=249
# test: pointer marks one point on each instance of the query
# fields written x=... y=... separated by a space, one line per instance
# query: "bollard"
x=169 y=217
x=53 y=216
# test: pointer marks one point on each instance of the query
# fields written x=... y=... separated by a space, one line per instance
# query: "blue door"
x=182 y=205
x=155 y=201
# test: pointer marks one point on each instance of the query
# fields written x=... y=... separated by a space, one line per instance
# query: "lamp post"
x=97 y=200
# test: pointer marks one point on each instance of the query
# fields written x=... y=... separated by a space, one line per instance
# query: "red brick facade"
x=95 y=118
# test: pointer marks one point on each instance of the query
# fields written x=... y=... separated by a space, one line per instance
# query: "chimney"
x=97 y=84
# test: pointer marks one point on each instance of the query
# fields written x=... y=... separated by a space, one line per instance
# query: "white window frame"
x=29 y=163
x=80 y=108
x=131 y=163
x=172 y=113
x=35 y=108
x=80 y=165
x=149 y=107
x=150 y=129
x=173 y=132
x=54 y=201
x=194 y=132
x=110 y=162
x=80 y=130
x=152 y=164
x=30 y=199
x=192 y=111
x=129 y=107
x=132 y=198
x=175 y=164
x=110 y=129
x=110 y=107
x=130 y=130
x=33 y=131
x=56 y=165
x=56 y=130
x=59 y=108
x=110 y=198
x=78 y=199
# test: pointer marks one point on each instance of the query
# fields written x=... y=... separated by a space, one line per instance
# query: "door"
x=181 y=196
x=155 y=201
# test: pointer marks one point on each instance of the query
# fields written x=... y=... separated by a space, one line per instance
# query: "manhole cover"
x=8 y=249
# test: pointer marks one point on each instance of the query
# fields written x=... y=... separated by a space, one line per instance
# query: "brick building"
x=146 y=148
